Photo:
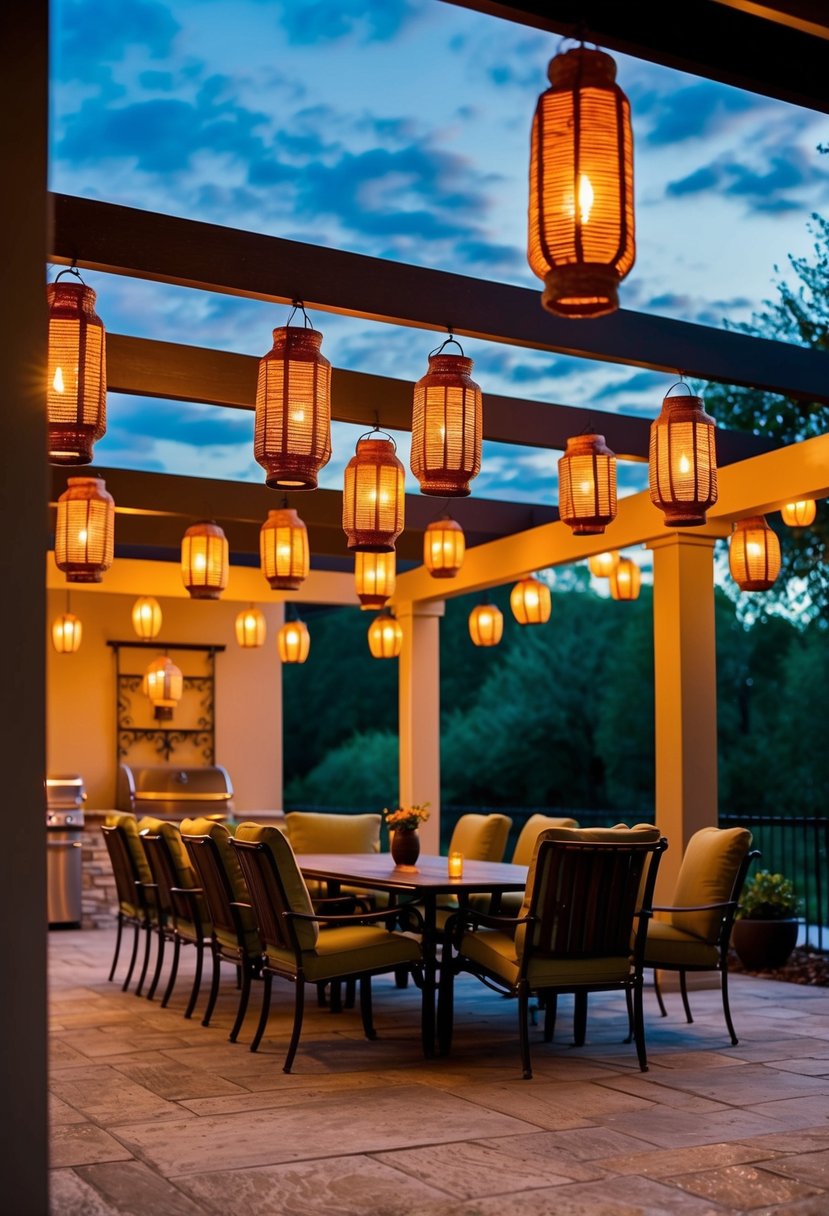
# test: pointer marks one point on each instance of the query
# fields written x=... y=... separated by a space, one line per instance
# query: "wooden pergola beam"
x=163 y=248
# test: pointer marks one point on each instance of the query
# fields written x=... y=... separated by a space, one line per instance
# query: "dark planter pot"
x=764 y=945
x=405 y=848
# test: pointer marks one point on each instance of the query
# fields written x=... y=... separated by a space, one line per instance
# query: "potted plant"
x=405 y=841
x=765 y=929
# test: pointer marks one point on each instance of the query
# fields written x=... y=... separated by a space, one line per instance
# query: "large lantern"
x=531 y=602
x=85 y=530
x=626 y=580
x=76 y=377
x=486 y=625
x=146 y=617
x=250 y=628
x=283 y=550
x=754 y=554
x=682 y=461
x=292 y=433
x=799 y=514
x=293 y=642
x=204 y=560
x=373 y=498
x=581 y=224
x=602 y=565
x=587 y=485
x=164 y=685
x=375 y=576
x=447 y=423
x=66 y=633
x=385 y=637
x=444 y=547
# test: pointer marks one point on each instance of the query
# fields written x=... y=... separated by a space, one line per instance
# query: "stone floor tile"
x=680 y=1129
x=273 y=1099
x=69 y=1195
x=743 y=1187
x=550 y=1105
x=649 y=1086
x=795 y=1112
x=133 y=1189
x=810 y=1167
x=83 y=1144
x=812 y=1138
x=169 y=1081
x=108 y=1097
x=740 y=1086
x=60 y=1113
x=472 y=1168
x=669 y=1162
x=577 y=1145
x=808 y=1067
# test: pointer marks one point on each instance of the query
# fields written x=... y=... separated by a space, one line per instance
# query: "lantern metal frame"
x=447 y=425
x=682 y=460
x=754 y=571
x=76 y=382
x=587 y=498
x=375 y=473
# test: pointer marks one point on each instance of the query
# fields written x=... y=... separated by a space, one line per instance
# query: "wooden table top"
x=378 y=870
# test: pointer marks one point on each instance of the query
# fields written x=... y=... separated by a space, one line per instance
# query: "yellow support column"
x=419 y=713
x=685 y=694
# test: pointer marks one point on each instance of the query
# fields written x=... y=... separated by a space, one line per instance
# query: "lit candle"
x=456 y=865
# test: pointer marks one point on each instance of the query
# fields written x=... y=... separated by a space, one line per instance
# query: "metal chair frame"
x=173 y=904
x=129 y=889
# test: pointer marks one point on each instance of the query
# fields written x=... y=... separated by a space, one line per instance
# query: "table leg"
x=429 y=974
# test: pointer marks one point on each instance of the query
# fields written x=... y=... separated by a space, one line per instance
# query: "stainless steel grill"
x=65 y=796
x=173 y=793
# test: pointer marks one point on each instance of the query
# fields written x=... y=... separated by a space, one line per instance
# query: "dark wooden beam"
x=776 y=50
x=139 y=244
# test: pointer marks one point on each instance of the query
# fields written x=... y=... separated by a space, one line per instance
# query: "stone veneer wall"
x=99 y=900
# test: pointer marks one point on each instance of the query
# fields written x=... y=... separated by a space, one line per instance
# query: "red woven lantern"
x=531 y=602
x=444 y=547
x=581 y=223
x=373 y=498
x=292 y=434
x=626 y=580
x=447 y=423
x=682 y=461
x=284 y=555
x=486 y=625
x=754 y=554
x=76 y=377
x=587 y=485
x=799 y=514
x=375 y=576
x=204 y=560
x=85 y=530
x=385 y=637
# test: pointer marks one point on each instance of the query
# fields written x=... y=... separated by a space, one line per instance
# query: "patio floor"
x=154 y=1114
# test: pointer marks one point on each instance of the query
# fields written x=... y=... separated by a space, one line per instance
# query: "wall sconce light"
x=146 y=617
x=204 y=560
x=754 y=554
x=447 y=423
x=375 y=577
x=284 y=556
x=85 y=530
x=682 y=460
x=587 y=485
x=373 y=497
x=76 y=375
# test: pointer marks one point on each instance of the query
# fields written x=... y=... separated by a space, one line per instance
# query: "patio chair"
x=358 y=945
x=132 y=878
x=696 y=933
x=522 y=854
x=582 y=928
x=481 y=837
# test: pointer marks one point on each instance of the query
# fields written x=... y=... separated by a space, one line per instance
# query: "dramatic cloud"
x=107 y=31
x=314 y=21
x=703 y=108
x=786 y=170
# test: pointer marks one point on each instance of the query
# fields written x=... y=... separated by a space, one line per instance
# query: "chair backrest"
x=583 y=890
x=171 y=869
x=319 y=832
x=128 y=825
x=217 y=869
x=523 y=852
x=276 y=886
x=131 y=896
x=481 y=837
x=713 y=862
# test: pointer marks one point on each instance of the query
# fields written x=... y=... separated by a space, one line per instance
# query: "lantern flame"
x=586 y=197
x=57 y=383
x=684 y=464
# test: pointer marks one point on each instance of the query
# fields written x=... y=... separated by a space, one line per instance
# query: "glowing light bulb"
x=83 y=536
x=753 y=549
x=199 y=562
x=57 y=383
x=586 y=197
x=298 y=416
x=684 y=464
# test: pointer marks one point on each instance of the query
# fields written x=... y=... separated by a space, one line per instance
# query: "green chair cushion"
x=668 y=946
x=186 y=876
x=496 y=952
x=706 y=876
x=221 y=834
x=296 y=892
x=129 y=825
x=481 y=837
x=351 y=950
x=523 y=852
x=313 y=832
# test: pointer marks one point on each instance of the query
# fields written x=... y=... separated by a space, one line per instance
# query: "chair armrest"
x=186 y=891
x=362 y=918
x=728 y=903
x=235 y=903
x=470 y=918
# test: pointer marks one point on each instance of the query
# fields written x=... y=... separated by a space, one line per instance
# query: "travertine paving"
x=155 y=1114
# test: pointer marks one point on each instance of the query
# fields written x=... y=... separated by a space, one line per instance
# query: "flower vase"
x=405 y=848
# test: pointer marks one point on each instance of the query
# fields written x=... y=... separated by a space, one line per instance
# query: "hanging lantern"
x=375 y=576
x=602 y=565
x=292 y=432
x=385 y=637
x=531 y=602
x=164 y=685
x=373 y=499
x=625 y=580
x=587 y=485
x=754 y=554
x=66 y=633
x=444 y=547
x=447 y=423
x=204 y=560
x=283 y=550
x=250 y=628
x=581 y=223
x=146 y=617
x=682 y=461
x=486 y=625
x=76 y=375
x=85 y=530
x=293 y=642
x=799 y=514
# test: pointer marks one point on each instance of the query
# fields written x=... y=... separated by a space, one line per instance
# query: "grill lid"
x=161 y=786
x=64 y=790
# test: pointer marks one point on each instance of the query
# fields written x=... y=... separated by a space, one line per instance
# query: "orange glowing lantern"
x=66 y=633
x=373 y=498
x=85 y=530
x=486 y=625
x=587 y=485
x=447 y=423
x=531 y=602
x=602 y=565
x=682 y=461
x=76 y=384
x=284 y=555
x=799 y=514
x=164 y=685
x=375 y=576
x=754 y=554
x=204 y=560
x=293 y=642
x=444 y=547
x=626 y=580
x=146 y=617
x=385 y=637
x=250 y=628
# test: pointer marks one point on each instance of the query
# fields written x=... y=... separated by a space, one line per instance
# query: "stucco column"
x=419 y=712
x=685 y=694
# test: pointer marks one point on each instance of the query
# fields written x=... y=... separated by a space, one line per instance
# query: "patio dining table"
x=427 y=882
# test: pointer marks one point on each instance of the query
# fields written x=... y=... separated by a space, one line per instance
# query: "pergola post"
x=685 y=694
x=419 y=712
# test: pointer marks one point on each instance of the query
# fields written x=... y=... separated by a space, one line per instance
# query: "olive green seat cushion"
x=221 y=835
x=497 y=952
x=511 y=901
x=296 y=891
x=186 y=876
x=318 y=832
x=129 y=826
x=668 y=946
x=481 y=837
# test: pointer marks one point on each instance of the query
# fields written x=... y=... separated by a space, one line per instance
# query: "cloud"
x=316 y=21
x=105 y=32
x=786 y=169
x=702 y=109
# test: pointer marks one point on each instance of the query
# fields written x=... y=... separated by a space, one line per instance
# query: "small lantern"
x=602 y=565
x=486 y=625
x=444 y=547
x=85 y=530
x=682 y=461
x=250 y=628
x=164 y=685
x=373 y=499
x=146 y=617
x=292 y=432
x=283 y=550
x=385 y=637
x=447 y=423
x=587 y=485
x=799 y=514
x=76 y=384
x=375 y=576
x=204 y=561
x=531 y=602
x=293 y=642
x=754 y=554
x=581 y=222
x=625 y=580
x=66 y=633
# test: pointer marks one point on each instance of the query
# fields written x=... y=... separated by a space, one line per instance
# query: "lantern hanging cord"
x=451 y=340
x=442 y=511
x=680 y=383
x=376 y=433
x=73 y=270
x=298 y=306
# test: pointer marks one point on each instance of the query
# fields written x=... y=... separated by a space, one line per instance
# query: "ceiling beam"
x=140 y=244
